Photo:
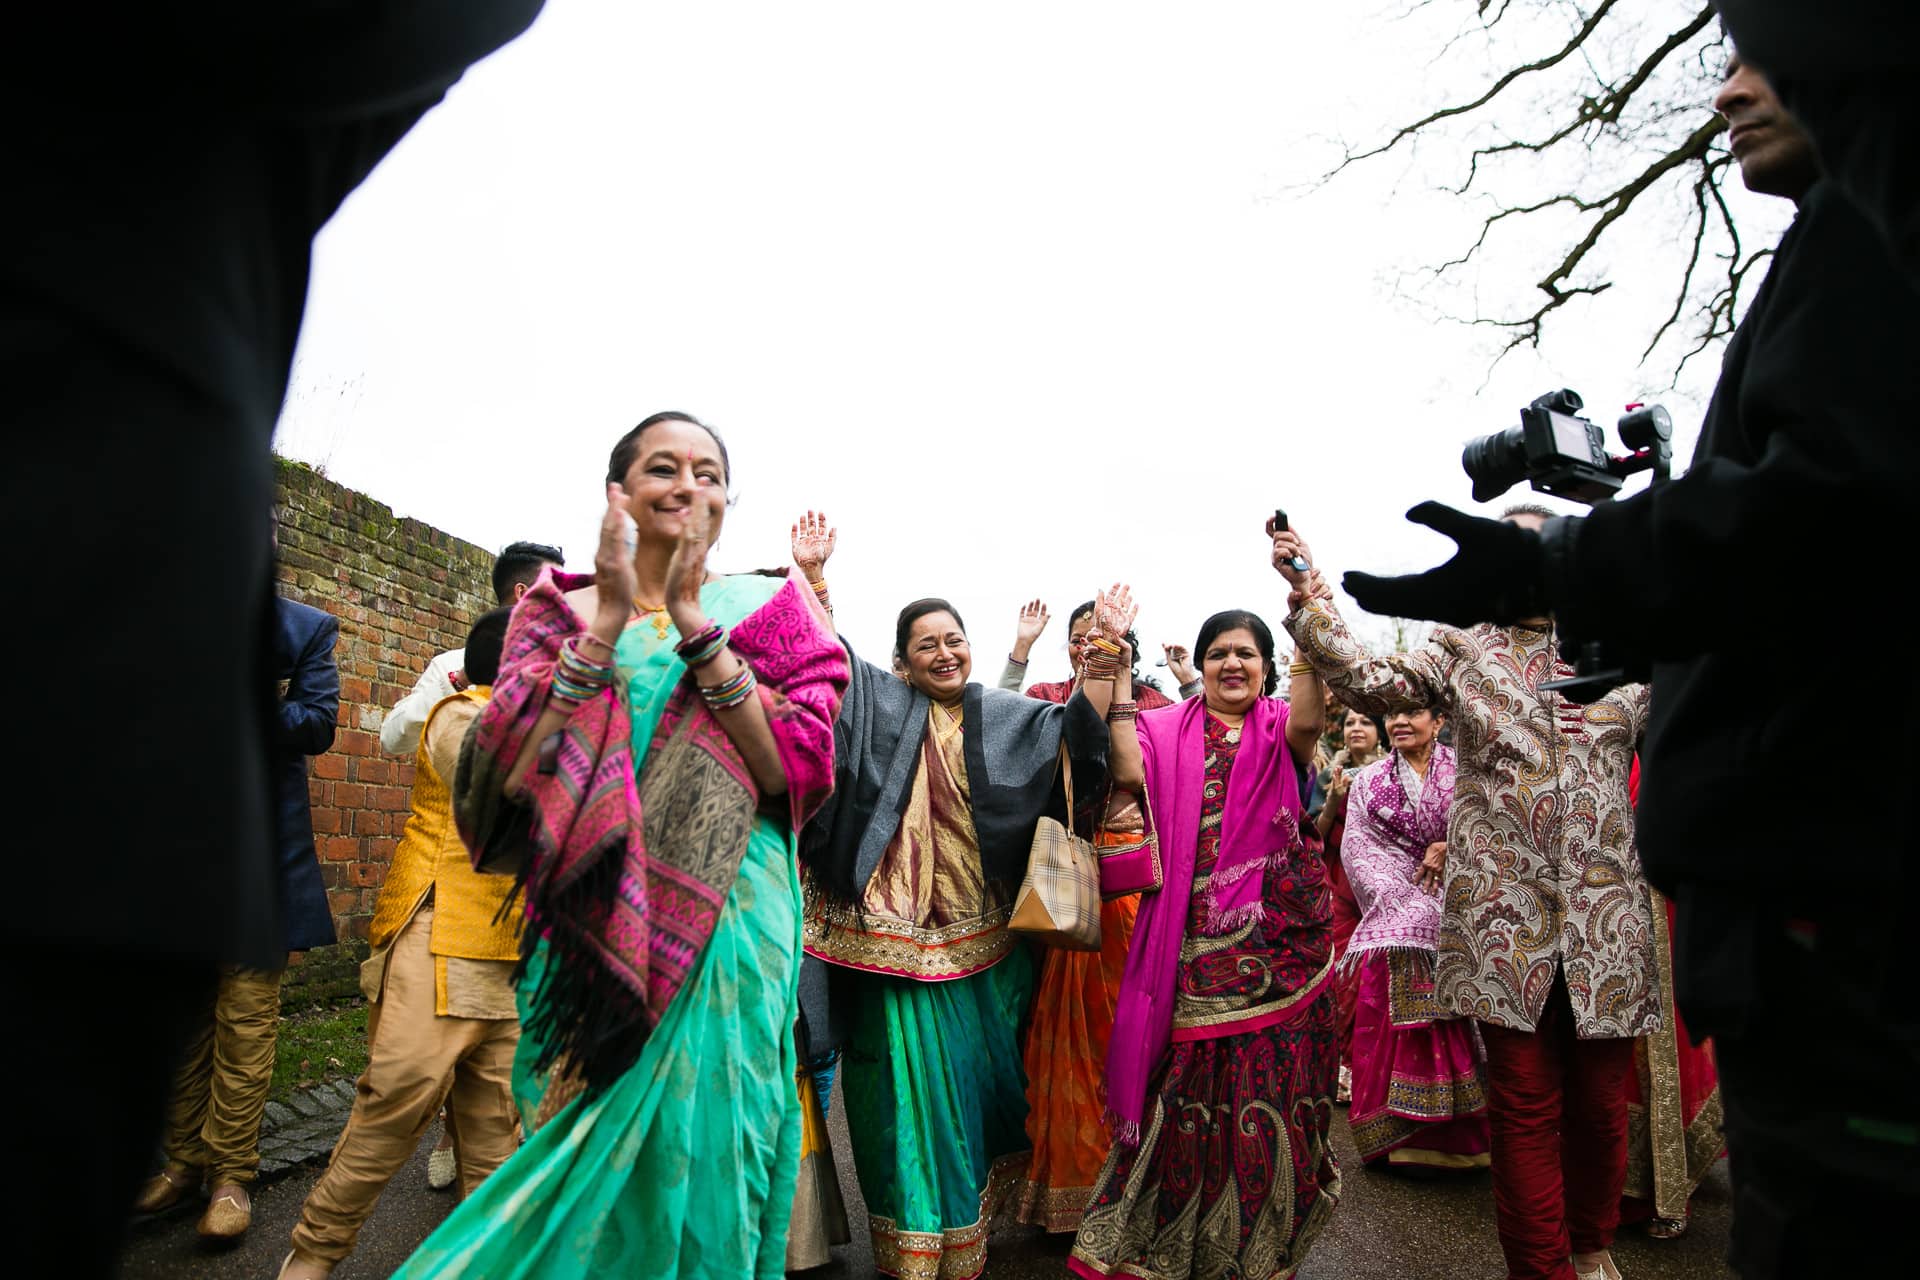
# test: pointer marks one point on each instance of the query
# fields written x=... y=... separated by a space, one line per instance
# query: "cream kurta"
x=1541 y=865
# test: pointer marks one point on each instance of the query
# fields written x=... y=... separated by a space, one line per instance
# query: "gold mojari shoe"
x=228 y=1215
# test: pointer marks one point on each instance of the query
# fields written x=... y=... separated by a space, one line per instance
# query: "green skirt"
x=685 y=1166
x=937 y=1110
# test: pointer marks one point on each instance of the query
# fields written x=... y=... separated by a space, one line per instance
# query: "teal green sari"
x=937 y=1112
x=685 y=1166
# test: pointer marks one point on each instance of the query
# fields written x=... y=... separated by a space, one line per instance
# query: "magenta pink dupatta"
x=1259 y=829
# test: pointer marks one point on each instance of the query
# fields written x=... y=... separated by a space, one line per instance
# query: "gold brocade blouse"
x=928 y=912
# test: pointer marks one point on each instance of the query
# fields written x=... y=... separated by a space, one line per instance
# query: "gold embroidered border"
x=837 y=934
x=1371 y=1137
x=1052 y=1209
x=958 y=1254
x=1665 y=1128
x=1439 y=1100
x=1312 y=988
x=1409 y=1003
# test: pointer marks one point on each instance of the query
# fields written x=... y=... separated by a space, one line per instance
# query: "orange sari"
x=1066 y=1052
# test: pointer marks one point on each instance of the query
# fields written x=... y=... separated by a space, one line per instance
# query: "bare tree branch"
x=1459 y=109
x=1605 y=109
x=1626 y=114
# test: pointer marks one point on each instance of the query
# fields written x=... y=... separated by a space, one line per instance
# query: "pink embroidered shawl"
x=1386 y=838
x=1259 y=828
x=626 y=875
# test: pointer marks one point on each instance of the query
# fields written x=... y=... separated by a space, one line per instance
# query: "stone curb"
x=304 y=1128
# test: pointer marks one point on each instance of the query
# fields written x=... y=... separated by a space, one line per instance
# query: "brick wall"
x=403 y=591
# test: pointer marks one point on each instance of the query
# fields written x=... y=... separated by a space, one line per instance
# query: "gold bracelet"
x=1302 y=669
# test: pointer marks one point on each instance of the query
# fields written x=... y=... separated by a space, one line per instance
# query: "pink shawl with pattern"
x=1387 y=836
x=627 y=875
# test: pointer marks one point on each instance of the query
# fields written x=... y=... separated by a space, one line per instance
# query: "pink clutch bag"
x=1129 y=852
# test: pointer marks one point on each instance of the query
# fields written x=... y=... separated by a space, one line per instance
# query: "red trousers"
x=1558 y=1110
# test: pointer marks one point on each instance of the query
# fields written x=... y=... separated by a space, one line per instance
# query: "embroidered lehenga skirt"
x=1418 y=1098
x=1233 y=1174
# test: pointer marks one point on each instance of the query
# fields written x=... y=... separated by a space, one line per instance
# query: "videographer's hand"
x=1497 y=575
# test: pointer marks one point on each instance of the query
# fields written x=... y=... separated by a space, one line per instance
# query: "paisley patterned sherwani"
x=1541 y=865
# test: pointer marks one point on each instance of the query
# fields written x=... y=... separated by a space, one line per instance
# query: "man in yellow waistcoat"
x=440 y=980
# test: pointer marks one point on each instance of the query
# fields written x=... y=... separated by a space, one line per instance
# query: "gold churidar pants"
x=416 y=1060
x=220 y=1090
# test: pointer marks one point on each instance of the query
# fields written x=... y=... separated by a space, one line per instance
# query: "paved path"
x=1387 y=1226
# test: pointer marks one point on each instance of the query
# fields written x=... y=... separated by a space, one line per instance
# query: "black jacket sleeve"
x=1800 y=478
x=312 y=706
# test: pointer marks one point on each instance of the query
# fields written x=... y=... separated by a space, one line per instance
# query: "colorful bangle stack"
x=732 y=691
x=1123 y=711
x=703 y=646
x=819 y=588
x=576 y=677
x=1103 y=658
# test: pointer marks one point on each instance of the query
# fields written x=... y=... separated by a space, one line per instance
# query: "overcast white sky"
x=1025 y=296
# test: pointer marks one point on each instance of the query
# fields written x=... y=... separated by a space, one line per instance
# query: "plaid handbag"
x=1059 y=901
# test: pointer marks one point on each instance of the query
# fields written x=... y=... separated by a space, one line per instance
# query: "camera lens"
x=1495 y=463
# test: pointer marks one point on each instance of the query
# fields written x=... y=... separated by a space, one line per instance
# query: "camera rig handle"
x=1647 y=429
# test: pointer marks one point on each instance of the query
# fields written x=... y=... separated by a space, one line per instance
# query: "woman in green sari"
x=663 y=904
x=911 y=871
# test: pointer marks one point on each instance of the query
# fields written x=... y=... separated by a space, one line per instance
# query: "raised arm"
x=614 y=587
x=813 y=543
x=722 y=676
x=1306 y=700
x=1180 y=663
x=1106 y=680
x=1033 y=620
x=1377 y=686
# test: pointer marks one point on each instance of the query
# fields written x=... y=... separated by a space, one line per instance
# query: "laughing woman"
x=1220 y=1072
x=912 y=866
x=663 y=907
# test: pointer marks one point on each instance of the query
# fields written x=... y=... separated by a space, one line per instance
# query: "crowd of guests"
x=679 y=857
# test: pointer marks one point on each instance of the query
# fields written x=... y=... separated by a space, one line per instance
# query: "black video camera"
x=1559 y=452
x=1562 y=453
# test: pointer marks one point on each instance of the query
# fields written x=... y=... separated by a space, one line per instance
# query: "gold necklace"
x=658 y=613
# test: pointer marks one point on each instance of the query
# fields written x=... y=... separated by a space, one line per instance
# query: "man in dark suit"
x=168 y=169
x=1797 y=500
x=220 y=1092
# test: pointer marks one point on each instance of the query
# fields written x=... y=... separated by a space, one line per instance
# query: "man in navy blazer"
x=213 y=1122
x=309 y=707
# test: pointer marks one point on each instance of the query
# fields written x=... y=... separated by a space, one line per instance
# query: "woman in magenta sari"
x=1417 y=1094
x=1220 y=1071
